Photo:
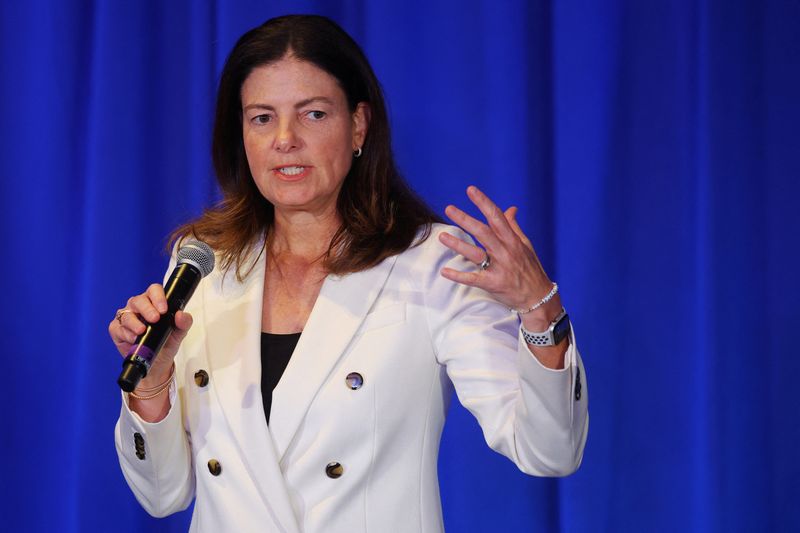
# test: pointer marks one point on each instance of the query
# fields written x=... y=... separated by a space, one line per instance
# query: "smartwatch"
x=559 y=328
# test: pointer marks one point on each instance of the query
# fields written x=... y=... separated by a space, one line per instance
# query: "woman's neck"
x=302 y=235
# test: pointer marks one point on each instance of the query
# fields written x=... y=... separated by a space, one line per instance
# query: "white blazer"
x=413 y=336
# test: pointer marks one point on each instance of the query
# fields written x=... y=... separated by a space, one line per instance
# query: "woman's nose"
x=286 y=138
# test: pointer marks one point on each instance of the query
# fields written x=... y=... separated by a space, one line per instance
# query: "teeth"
x=291 y=171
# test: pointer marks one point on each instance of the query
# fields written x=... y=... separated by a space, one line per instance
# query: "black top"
x=276 y=350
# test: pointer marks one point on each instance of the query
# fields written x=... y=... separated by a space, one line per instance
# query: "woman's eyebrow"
x=321 y=99
x=258 y=106
x=301 y=103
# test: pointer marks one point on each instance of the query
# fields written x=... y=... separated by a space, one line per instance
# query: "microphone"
x=195 y=261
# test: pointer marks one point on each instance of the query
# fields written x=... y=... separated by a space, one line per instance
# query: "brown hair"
x=380 y=213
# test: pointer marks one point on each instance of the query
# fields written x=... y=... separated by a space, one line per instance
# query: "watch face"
x=561 y=330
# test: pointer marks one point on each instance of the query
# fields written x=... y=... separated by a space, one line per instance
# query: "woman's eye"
x=316 y=115
x=261 y=119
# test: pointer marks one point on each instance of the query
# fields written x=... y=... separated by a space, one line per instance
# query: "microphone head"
x=198 y=254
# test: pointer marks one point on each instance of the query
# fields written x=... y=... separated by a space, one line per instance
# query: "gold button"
x=334 y=470
x=214 y=467
x=201 y=378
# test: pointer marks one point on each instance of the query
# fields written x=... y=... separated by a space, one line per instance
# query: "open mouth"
x=291 y=171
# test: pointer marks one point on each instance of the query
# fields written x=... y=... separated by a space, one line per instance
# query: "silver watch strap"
x=544 y=338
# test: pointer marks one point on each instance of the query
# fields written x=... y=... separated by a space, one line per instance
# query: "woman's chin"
x=295 y=204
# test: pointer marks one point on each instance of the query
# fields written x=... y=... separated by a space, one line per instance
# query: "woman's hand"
x=514 y=276
x=129 y=324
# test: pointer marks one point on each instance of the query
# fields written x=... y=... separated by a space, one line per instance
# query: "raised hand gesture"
x=509 y=268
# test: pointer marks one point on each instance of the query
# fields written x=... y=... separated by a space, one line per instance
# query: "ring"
x=119 y=314
x=486 y=262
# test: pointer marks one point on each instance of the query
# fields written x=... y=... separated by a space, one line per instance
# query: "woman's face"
x=299 y=135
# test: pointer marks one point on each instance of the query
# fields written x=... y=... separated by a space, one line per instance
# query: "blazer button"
x=214 y=467
x=201 y=378
x=334 y=470
x=138 y=445
x=354 y=380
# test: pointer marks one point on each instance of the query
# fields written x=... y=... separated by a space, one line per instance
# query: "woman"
x=379 y=310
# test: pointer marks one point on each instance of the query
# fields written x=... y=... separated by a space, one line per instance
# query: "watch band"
x=559 y=328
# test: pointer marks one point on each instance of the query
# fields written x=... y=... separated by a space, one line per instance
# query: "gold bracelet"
x=158 y=389
x=158 y=393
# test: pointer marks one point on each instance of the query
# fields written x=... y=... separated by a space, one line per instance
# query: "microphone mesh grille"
x=199 y=254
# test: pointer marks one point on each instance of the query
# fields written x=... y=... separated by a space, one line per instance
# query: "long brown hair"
x=380 y=214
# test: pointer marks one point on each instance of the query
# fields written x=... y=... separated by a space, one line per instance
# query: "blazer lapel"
x=233 y=326
x=341 y=306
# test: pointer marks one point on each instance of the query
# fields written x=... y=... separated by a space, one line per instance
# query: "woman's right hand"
x=149 y=306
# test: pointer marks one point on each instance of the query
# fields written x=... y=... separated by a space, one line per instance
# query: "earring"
x=357 y=152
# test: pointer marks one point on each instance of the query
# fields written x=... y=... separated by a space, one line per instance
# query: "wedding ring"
x=486 y=262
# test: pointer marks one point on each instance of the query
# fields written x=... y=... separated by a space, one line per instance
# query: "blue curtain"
x=652 y=148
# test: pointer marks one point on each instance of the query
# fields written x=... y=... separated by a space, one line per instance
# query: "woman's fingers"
x=514 y=275
x=183 y=321
x=465 y=278
x=129 y=335
x=496 y=233
x=148 y=307
x=157 y=297
x=150 y=304
x=120 y=335
x=130 y=321
x=470 y=251
x=473 y=226
x=124 y=331
x=141 y=309
x=511 y=217
x=494 y=215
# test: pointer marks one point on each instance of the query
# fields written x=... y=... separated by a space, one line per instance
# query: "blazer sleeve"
x=156 y=458
x=535 y=416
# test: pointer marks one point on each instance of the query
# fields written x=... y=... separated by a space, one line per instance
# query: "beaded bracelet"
x=541 y=302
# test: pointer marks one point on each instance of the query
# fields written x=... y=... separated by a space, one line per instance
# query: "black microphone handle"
x=179 y=288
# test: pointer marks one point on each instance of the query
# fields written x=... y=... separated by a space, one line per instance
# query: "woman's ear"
x=361 y=118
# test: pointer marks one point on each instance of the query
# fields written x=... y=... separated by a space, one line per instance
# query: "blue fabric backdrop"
x=652 y=148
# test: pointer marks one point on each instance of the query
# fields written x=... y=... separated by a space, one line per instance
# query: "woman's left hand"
x=514 y=276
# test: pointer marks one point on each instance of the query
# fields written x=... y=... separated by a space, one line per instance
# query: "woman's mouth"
x=292 y=172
